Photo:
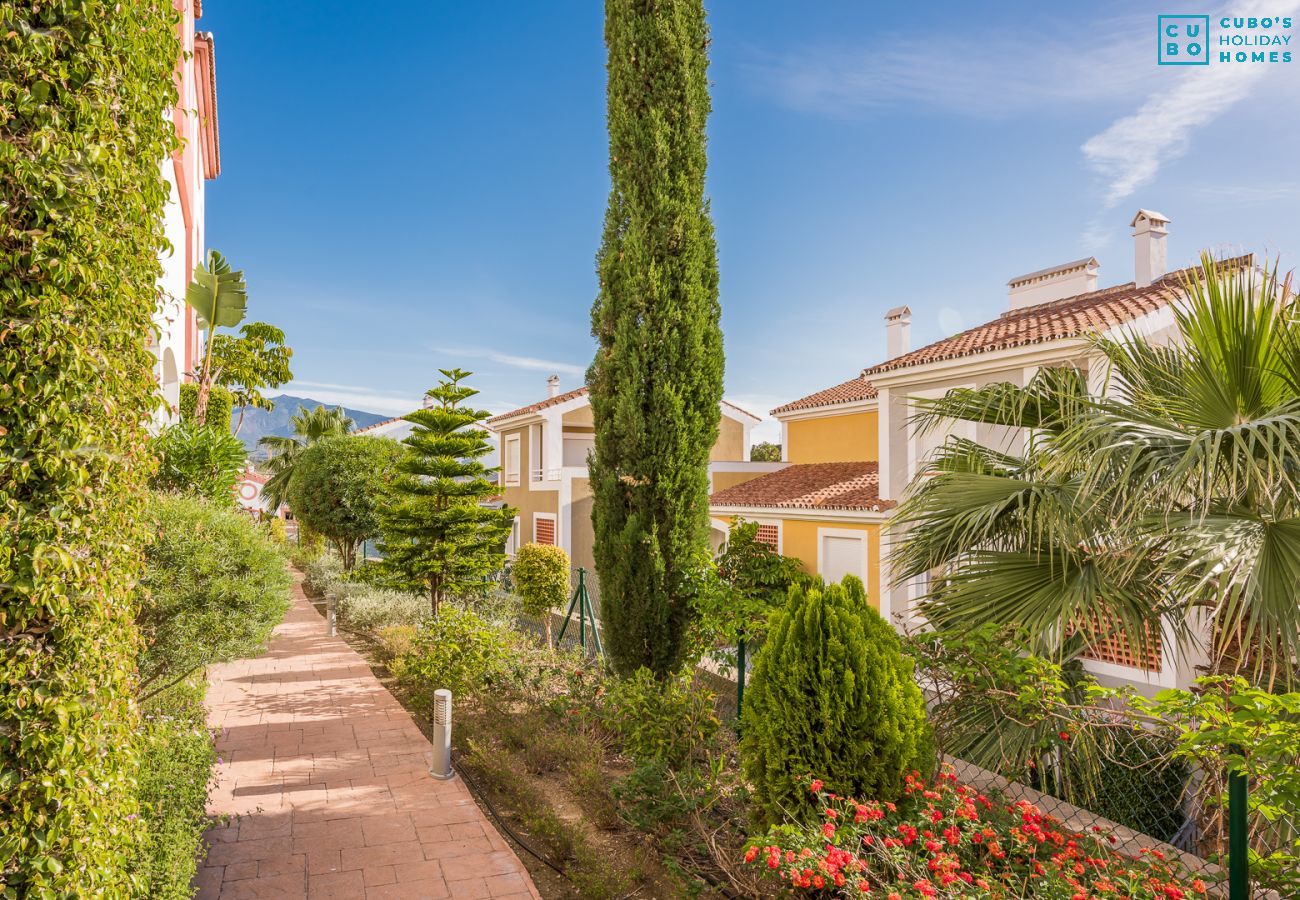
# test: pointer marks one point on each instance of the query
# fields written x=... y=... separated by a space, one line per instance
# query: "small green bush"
x=367 y=608
x=201 y=460
x=667 y=721
x=275 y=528
x=339 y=485
x=177 y=759
x=214 y=587
x=541 y=576
x=831 y=695
x=458 y=650
x=221 y=403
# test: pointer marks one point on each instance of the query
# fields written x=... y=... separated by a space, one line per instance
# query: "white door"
x=843 y=556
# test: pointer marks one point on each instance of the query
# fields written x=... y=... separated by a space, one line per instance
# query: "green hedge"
x=85 y=86
x=215 y=586
x=177 y=758
x=221 y=404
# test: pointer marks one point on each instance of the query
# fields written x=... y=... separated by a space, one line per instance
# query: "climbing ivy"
x=85 y=86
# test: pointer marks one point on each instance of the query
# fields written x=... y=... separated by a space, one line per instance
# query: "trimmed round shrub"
x=221 y=405
x=831 y=696
x=541 y=577
x=214 y=587
x=339 y=485
x=199 y=459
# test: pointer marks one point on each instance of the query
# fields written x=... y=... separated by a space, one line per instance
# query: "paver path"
x=328 y=778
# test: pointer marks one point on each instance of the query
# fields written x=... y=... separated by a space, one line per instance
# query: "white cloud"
x=991 y=73
x=353 y=397
x=531 y=363
x=1129 y=152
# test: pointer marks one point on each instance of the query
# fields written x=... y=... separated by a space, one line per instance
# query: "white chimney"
x=1056 y=283
x=429 y=402
x=1150 y=254
x=898 y=331
x=553 y=386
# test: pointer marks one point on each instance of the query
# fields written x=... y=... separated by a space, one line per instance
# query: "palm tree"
x=1175 y=497
x=309 y=426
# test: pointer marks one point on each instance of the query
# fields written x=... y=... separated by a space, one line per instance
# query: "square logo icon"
x=1183 y=40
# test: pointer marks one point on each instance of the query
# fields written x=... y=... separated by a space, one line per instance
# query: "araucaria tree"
x=438 y=536
x=656 y=381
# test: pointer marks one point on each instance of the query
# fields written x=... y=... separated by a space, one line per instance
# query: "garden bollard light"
x=440 y=758
x=331 y=618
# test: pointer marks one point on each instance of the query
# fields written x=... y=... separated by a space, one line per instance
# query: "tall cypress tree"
x=657 y=377
x=439 y=538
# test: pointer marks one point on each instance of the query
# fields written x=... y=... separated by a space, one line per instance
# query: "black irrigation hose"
x=483 y=797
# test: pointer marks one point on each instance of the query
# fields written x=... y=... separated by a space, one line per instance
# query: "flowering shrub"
x=948 y=840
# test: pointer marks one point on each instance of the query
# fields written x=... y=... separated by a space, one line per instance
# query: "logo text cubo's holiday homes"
x=1198 y=40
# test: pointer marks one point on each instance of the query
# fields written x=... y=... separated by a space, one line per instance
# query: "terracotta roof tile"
x=1088 y=313
x=581 y=392
x=851 y=391
x=840 y=485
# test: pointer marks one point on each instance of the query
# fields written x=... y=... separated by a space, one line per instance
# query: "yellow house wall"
x=799 y=541
x=848 y=438
x=724 y=480
x=730 y=446
x=528 y=502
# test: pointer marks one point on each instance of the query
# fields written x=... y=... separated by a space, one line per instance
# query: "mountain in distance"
x=261 y=422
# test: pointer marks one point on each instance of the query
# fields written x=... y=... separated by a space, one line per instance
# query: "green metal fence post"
x=1238 y=836
x=740 y=679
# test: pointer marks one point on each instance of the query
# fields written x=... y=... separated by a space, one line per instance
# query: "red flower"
x=816 y=785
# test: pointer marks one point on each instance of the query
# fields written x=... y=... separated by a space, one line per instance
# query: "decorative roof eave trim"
x=992 y=359
x=205 y=59
x=878 y=514
x=843 y=407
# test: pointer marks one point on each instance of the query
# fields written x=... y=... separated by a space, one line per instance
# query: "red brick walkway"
x=326 y=779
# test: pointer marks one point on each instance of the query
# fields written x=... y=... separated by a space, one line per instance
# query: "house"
x=851 y=453
x=198 y=159
x=249 y=496
x=543 y=471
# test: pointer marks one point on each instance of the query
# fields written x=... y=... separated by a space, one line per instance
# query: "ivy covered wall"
x=85 y=86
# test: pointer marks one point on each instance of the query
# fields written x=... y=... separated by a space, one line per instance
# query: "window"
x=770 y=535
x=536 y=466
x=543 y=528
x=512 y=460
x=512 y=542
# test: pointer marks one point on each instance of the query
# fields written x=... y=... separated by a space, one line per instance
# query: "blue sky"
x=418 y=185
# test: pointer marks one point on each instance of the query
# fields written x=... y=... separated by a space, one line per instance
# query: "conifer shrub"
x=541 y=576
x=832 y=696
x=85 y=88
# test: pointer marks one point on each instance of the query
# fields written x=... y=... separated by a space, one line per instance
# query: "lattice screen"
x=1106 y=644
x=770 y=535
x=543 y=531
